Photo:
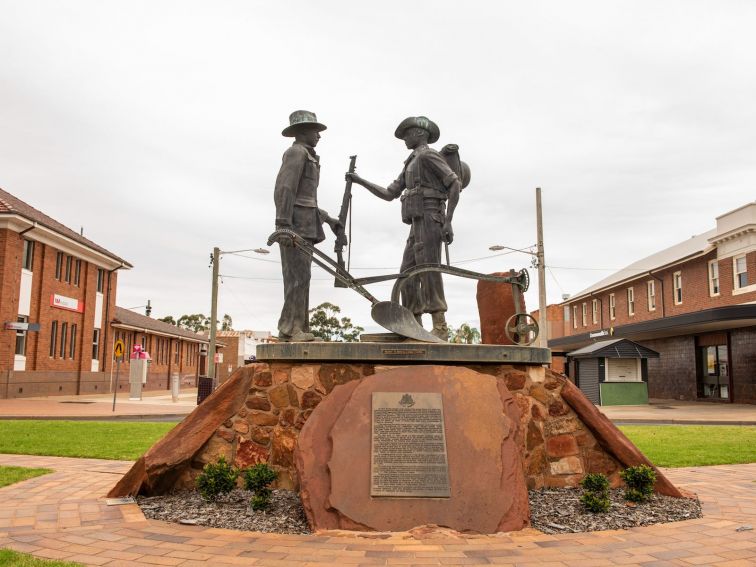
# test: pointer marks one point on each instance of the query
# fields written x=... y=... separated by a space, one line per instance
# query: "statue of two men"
x=428 y=188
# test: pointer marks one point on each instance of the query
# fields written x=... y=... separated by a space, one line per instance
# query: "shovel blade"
x=401 y=321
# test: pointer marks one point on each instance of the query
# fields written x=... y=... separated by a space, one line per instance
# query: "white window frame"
x=612 y=307
x=651 y=294
x=631 y=301
x=574 y=316
x=677 y=289
x=735 y=273
x=712 y=277
x=584 y=309
x=594 y=311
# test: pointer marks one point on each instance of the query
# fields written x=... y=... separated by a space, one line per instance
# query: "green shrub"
x=595 y=496
x=595 y=502
x=216 y=479
x=257 y=479
x=639 y=483
x=596 y=482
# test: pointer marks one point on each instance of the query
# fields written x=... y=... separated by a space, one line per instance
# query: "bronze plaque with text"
x=409 y=446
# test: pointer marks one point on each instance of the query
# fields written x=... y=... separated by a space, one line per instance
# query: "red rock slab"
x=311 y=457
x=611 y=438
x=488 y=490
x=156 y=471
x=495 y=306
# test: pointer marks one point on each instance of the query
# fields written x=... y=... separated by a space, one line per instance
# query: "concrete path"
x=100 y=406
x=671 y=411
x=63 y=516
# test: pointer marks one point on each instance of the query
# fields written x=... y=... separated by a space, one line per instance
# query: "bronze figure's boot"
x=440 y=329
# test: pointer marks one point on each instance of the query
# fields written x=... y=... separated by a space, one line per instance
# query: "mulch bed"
x=232 y=511
x=552 y=510
x=559 y=511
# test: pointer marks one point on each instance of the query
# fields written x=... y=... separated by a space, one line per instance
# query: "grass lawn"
x=12 y=475
x=10 y=558
x=694 y=445
x=94 y=439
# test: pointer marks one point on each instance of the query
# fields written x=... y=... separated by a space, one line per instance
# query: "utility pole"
x=543 y=338
x=213 y=317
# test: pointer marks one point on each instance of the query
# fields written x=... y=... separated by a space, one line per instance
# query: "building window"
x=69 y=262
x=584 y=310
x=594 y=311
x=77 y=273
x=58 y=265
x=574 y=316
x=72 y=349
x=96 y=345
x=631 y=301
x=677 y=287
x=100 y=279
x=651 y=288
x=713 y=278
x=28 y=260
x=740 y=271
x=21 y=337
x=53 y=338
x=177 y=354
x=63 y=339
x=612 y=307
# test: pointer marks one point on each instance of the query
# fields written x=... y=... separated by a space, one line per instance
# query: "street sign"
x=119 y=349
x=17 y=326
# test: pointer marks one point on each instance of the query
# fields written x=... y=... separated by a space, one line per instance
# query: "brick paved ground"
x=62 y=515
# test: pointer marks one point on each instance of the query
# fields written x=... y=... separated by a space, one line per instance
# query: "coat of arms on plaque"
x=407 y=401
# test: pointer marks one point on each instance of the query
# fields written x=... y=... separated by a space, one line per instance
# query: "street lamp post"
x=217 y=252
x=543 y=336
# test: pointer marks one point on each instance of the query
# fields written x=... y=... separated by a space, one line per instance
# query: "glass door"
x=714 y=374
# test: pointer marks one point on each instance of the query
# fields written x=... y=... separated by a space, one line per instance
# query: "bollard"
x=175 y=386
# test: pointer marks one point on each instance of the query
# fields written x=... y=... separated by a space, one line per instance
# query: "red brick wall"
x=10 y=274
x=695 y=295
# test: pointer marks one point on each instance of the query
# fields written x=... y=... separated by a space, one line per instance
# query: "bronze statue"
x=429 y=191
x=296 y=199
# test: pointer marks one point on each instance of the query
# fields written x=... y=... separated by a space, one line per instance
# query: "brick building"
x=694 y=303
x=172 y=350
x=57 y=303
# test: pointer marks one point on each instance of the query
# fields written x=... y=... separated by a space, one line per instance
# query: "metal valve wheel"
x=521 y=329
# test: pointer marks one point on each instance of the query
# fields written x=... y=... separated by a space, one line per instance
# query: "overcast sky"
x=157 y=127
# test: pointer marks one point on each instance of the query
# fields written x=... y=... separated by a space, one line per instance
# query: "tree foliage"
x=465 y=334
x=198 y=322
x=325 y=324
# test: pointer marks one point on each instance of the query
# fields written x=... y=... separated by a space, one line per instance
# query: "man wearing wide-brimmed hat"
x=429 y=191
x=296 y=199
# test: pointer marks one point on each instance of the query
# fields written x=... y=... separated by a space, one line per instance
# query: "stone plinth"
x=257 y=415
x=495 y=306
x=481 y=422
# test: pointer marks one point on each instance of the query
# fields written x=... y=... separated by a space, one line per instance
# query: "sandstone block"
x=567 y=465
x=303 y=377
x=263 y=379
x=515 y=380
x=332 y=375
x=259 y=435
x=250 y=453
x=260 y=418
x=258 y=403
x=283 y=442
x=241 y=426
x=539 y=393
x=537 y=373
x=226 y=435
x=562 y=446
x=280 y=377
x=279 y=396
x=557 y=408
x=310 y=400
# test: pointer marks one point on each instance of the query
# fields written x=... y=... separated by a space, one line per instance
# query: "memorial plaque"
x=409 y=446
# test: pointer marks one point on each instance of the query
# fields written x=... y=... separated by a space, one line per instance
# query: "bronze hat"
x=419 y=122
x=300 y=118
